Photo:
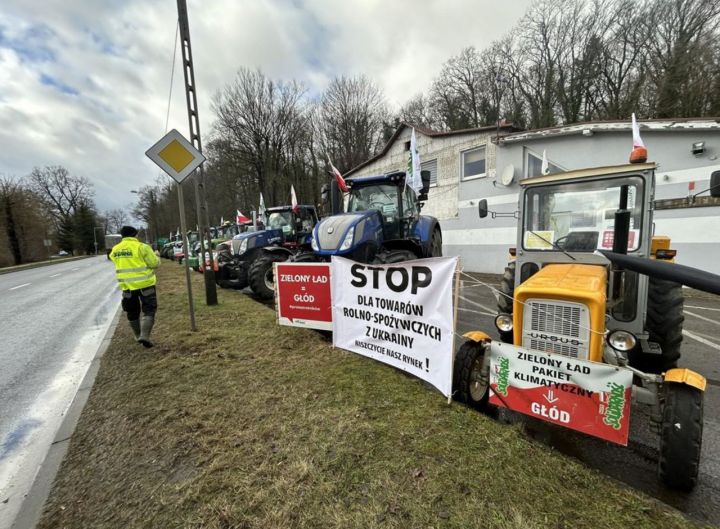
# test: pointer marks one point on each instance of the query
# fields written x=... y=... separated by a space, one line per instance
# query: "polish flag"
x=639 y=151
x=338 y=177
x=240 y=218
x=293 y=200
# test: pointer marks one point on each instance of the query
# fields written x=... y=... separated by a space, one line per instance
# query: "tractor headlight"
x=314 y=245
x=243 y=246
x=504 y=322
x=623 y=341
x=347 y=242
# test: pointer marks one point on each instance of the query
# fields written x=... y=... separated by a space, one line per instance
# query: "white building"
x=473 y=164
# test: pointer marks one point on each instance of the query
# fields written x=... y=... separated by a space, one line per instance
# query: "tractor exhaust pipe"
x=621 y=235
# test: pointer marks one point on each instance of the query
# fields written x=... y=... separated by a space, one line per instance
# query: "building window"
x=407 y=145
x=431 y=166
x=473 y=163
x=533 y=165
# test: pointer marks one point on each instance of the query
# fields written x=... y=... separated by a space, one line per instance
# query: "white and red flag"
x=240 y=218
x=639 y=151
x=338 y=177
x=293 y=200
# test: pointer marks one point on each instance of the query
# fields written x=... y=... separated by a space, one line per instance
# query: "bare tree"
x=22 y=223
x=61 y=192
x=261 y=122
x=116 y=219
x=349 y=120
x=683 y=55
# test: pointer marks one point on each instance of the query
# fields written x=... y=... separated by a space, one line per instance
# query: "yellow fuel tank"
x=566 y=304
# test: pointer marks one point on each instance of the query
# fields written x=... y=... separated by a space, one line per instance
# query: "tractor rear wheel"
x=681 y=436
x=261 y=274
x=436 y=244
x=505 y=298
x=664 y=324
x=470 y=386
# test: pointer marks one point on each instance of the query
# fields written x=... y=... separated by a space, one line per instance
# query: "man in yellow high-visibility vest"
x=135 y=264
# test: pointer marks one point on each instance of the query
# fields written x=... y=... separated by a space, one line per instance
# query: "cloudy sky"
x=84 y=83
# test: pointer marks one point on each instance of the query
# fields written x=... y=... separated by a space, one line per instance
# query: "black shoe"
x=146 y=343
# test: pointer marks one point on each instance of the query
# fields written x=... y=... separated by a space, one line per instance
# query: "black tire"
x=235 y=284
x=681 y=436
x=505 y=298
x=394 y=256
x=664 y=324
x=260 y=275
x=468 y=387
x=436 y=244
x=305 y=257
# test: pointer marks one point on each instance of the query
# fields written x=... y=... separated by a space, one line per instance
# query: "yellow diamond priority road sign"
x=175 y=155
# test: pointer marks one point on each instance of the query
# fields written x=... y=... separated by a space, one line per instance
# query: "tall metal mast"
x=191 y=96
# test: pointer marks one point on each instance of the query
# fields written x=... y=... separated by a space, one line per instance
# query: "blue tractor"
x=246 y=258
x=382 y=223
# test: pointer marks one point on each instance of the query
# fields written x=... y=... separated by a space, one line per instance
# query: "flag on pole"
x=639 y=151
x=261 y=207
x=545 y=167
x=338 y=177
x=222 y=220
x=240 y=218
x=413 y=178
x=293 y=200
x=177 y=233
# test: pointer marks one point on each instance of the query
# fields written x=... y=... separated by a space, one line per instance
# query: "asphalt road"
x=635 y=465
x=52 y=320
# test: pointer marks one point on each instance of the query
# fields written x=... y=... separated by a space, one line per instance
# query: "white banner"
x=400 y=314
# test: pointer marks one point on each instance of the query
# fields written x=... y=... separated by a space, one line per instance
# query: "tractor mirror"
x=425 y=177
x=715 y=184
x=325 y=193
x=482 y=208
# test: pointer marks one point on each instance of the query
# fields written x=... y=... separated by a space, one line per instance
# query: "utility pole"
x=191 y=96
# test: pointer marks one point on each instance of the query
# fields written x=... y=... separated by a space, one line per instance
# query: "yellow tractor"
x=565 y=301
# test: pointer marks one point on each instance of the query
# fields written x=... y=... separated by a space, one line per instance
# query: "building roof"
x=591 y=127
x=507 y=128
x=589 y=172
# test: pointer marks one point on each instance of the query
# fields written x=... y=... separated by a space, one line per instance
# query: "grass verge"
x=246 y=424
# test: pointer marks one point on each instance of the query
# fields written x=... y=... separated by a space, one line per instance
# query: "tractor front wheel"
x=261 y=275
x=470 y=384
x=436 y=244
x=681 y=436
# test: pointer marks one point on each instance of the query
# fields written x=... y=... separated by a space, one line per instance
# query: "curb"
x=40 y=264
x=32 y=506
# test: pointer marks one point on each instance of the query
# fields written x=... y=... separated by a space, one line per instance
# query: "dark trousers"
x=134 y=300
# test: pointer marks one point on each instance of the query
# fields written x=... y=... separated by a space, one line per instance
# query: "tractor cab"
x=382 y=222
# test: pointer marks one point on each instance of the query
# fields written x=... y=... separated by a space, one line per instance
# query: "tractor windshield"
x=281 y=220
x=580 y=217
x=381 y=197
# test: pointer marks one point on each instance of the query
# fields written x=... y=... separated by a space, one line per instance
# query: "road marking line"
x=701 y=340
x=55 y=275
x=703 y=308
x=487 y=311
x=702 y=317
x=20 y=286
x=75 y=269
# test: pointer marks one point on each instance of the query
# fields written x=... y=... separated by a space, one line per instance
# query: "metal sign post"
x=181 y=202
x=194 y=122
x=178 y=158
